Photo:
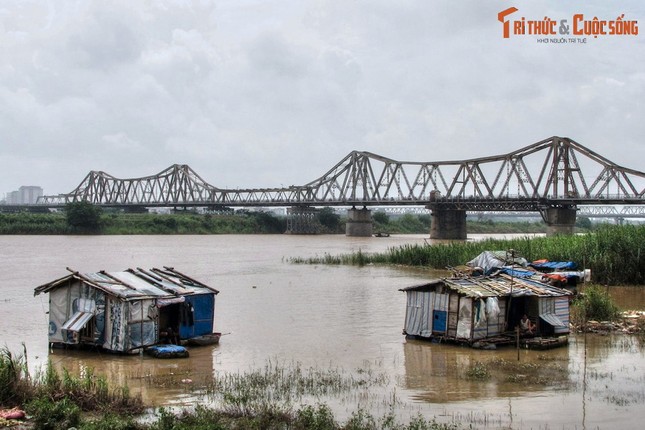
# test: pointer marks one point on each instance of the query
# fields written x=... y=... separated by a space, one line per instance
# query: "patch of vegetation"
x=277 y=386
x=33 y=223
x=261 y=399
x=15 y=383
x=49 y=414
x=594 y=303
x=46 y=390
x=83 y=217
x=615 y=254
x=478 y=371
x=547 y=372
x=330 y=221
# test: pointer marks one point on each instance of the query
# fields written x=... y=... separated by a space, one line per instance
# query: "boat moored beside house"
x=127 y=311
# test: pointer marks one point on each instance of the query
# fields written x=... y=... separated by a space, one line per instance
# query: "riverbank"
x=281 y=396
x=262 y=398
x=234 y=222
x=629 y=322
x=277 y=395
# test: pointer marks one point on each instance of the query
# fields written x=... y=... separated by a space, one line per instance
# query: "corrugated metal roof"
x=493 y=286
x=135 y=283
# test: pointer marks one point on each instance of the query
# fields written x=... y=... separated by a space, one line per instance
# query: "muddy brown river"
x=349 y=318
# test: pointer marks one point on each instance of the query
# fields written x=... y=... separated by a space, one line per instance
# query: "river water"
x=323 y=317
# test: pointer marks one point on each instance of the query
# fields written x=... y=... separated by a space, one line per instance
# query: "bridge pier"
x=448 y=224
x=559 y=220
x=359 y=222
x=302 y=220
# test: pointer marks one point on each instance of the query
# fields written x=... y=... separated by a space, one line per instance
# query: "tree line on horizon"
x=85 y=218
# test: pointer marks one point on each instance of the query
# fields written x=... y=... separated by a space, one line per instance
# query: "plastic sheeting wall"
x=420 y=311
x=130 y=325
x=489 y=316
x=114 y=325
x=64 y=301
x=467 y=318
x=58 y=313
x=418 y=317
x=478 y=319
x=141 y=328
x=464 y=321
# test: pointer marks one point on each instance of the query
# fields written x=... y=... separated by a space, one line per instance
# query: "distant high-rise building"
x=26 y=195
x=29 y=194
x=12 y=197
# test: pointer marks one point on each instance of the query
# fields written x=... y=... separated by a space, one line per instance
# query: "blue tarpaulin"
x=555 y=265
x=518 y=273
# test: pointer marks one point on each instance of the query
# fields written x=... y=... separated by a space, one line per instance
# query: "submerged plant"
x=277 y=387
x=478 y=371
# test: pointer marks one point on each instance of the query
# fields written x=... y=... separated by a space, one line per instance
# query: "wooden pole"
x=517 y=341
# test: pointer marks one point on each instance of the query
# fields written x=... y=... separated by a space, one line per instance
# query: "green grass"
x=615 y=254
x=88 y=392
x=146 y=223
x=268 y=398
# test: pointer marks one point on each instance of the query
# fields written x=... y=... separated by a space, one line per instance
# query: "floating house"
x=127 y=311
x=485 y=310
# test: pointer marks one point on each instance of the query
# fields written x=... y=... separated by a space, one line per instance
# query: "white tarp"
x=480 y=314
x=464 y=325
x=492 y=308
x=489 y=260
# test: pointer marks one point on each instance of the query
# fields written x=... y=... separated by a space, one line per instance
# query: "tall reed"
x=15 y=383
x=615 y=254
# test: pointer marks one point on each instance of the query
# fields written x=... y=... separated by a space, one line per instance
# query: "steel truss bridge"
x=587 y=211
x=554 y=173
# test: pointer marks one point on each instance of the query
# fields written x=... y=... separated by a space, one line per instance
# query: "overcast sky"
x=265 y=93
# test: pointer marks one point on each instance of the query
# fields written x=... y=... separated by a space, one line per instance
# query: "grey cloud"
x=263 y=93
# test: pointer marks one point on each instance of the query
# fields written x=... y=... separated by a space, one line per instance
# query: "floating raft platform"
x=525 y=342
x=544 y=342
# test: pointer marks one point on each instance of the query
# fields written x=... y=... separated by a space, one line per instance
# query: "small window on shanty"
x=87 y=333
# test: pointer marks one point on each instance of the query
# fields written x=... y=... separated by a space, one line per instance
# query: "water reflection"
x=439 y=372
x=598 y=374
x=175 y=381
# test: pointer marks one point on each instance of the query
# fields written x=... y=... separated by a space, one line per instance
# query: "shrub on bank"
x=48 y=414
x=594 y=303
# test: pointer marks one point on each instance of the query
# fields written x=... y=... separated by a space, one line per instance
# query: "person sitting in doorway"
x=169 y=336
x=526 y=325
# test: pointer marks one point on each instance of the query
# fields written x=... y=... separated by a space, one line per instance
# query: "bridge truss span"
x=555 y=172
